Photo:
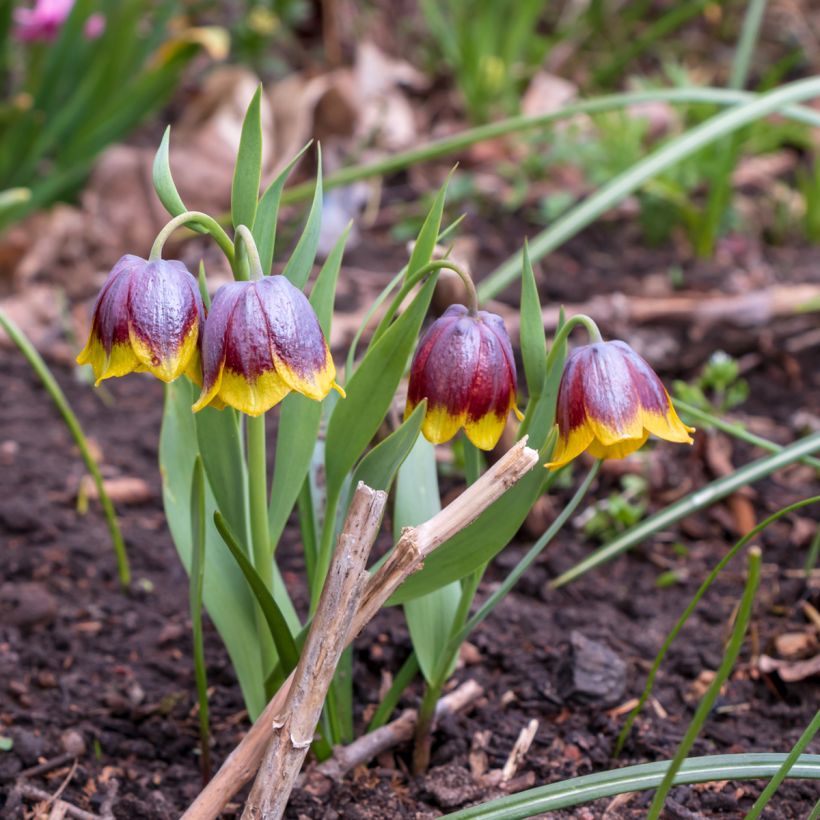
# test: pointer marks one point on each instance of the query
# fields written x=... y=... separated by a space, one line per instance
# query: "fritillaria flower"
x=43 y=22
x=609 y=401
x=262 y=340
x=465 y=369
x=147 y=318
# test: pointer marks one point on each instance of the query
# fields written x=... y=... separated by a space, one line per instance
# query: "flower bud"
x=147 y=318
x=609 y=401
x=464 y=367
x=262 y=340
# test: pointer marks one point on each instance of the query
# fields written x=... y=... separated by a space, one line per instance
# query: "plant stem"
x=260 y=538
x=563 y=334
x=325 y=550
x=744 y=615
x=45 y=375
x=214 y=229
x=244 y=238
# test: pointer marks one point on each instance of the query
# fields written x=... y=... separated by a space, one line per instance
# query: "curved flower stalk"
x=147 y=317
x=609 y=401
x=261 y=341
x=464 y=367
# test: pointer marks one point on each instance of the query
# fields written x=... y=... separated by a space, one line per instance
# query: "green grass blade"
x=730 y=655
x=248 y=170
x=698 y=500
x=587 y=788
x=404 y=677
x=783 y=772
x=691 y=606
x=533 y=340
x=53 y=389
x=163 y=180
x=195 y=584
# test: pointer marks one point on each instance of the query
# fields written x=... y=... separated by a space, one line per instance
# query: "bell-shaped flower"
x=609 y=401
x=262 y=340
x=147 y=317
x=464 y=367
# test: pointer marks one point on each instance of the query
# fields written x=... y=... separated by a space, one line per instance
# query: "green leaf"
x=248 y=170
x=275 y=619
x=378 y=468
x=6 y=744
x=300 y=264
x=426 y=241
x=533 y=341
x=300 y=416
x=589 y=787
x=264 y=228
x=225 y=592
x=163 y=180
x=219 y=441
x=429 y=617
x=371 y=389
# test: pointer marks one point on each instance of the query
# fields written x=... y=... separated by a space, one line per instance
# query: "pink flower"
x=43 y=22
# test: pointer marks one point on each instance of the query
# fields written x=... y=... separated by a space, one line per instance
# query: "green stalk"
x=782 y=773
x=457 y=142
x=45 y=375
x=744 y=615
x=213 y=228
x=404 y=677
x=260 y=538
x=693 y=502
x=578 y=790
x=813 y=553
x=692 y=605
x=617 y=189
x=736 y=430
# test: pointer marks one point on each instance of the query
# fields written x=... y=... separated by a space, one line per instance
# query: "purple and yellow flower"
x=464 y=367
x=262 y=340
x=609 y=401
x=44 y=21
x=147 y=318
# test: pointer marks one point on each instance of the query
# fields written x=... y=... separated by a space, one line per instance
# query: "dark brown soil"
x=78 y=655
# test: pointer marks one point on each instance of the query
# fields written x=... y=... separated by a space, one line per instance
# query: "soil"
x=82 y=662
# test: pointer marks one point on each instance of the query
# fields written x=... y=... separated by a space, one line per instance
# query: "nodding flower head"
x=609 y=401
x=465 y=369
x=147 y=317
x=262 y=340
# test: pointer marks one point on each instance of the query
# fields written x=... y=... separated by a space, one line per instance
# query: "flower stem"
x=567 y=328
x=214 y=229
x=245 y=238
x=260 y=539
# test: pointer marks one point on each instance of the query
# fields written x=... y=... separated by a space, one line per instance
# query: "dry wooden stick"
x=407 y=557
x=294 y=727
x=392 y=734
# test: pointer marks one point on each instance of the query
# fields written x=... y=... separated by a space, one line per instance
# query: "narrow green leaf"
x=533 y=341
x=429 y=617
x=225 y=591
x=691 y=503
x=426 y=240
x=403 y=678
x=163 y=180
x=371 y=390
x=730 y=655
x=300 y=417
x=264 y=228
x=248 y=170
x=275 y=619
x=300 y=264
x=578 y=790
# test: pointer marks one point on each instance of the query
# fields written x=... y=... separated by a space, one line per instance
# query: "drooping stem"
x=567 y=328
x=214 y=229
x=244 y=238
